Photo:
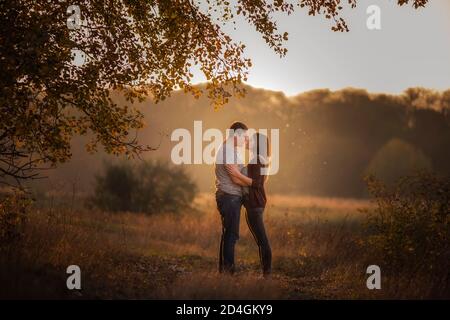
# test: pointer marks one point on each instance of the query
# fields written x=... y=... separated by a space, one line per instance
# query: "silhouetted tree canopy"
x=141 y=47
x=328 y=139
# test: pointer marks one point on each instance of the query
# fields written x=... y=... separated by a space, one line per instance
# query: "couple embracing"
x=238 y=185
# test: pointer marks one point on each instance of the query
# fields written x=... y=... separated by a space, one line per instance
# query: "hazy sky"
x=411 y=49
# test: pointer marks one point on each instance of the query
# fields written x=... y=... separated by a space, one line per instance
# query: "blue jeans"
x=230 y=211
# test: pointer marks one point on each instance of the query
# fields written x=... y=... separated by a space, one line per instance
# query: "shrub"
x=410 y=225
x=148 y=187
x=13 y=213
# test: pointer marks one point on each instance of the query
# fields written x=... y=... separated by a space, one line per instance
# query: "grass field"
x=315 y=242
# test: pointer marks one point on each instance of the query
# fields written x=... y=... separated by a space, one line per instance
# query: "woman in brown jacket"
x=255 y=198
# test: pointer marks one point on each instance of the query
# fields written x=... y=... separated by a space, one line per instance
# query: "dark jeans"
x=256 y=225
x=230 y=210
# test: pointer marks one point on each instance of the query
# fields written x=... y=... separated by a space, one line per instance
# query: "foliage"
x=148 y=187
x=410 y=225
x=142 y=47
x=397 y=158
x=13 y=214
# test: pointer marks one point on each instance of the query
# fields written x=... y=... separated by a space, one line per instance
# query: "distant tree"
x=396 y=159
x=148 y=187
x=141 y=47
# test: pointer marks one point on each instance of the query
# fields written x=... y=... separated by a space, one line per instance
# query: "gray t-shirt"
x=227 y=154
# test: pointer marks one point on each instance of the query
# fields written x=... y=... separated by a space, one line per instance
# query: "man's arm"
x=236 y=176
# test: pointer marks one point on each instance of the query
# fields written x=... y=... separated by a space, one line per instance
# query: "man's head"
x=238 y=131
x=238 y=125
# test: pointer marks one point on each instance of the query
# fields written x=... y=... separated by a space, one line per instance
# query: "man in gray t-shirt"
x=227 y=154
x=229 y=193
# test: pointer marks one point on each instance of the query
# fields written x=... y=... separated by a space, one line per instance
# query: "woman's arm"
x=237 y=177
x=258 y=178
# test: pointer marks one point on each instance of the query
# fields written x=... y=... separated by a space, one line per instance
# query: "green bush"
x=148 y=187
x=410 y=225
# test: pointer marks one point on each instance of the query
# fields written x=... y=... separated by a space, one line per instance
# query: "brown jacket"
x=257 y=195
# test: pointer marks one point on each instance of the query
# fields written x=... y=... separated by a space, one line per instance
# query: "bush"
x=148 y=187
x=13 y=214
x=410 y=225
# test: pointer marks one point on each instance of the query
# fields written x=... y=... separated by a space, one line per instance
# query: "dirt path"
x=195 y=277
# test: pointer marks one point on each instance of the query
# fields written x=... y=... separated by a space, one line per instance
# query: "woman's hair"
x=262 y=150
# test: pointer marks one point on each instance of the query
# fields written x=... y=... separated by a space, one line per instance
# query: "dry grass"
x=315 y=249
